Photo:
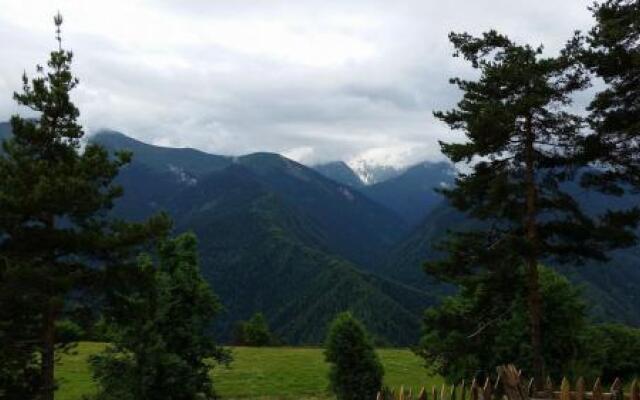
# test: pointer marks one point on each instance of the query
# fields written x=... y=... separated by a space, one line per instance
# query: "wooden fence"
x=510 y=385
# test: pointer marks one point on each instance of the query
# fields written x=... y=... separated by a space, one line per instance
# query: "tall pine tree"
x=521 y=145
x=55 y=232
x=613 y=54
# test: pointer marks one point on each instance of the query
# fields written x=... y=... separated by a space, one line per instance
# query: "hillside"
x=612 y=289
x=354 y=226
x=276 y=237
x=412 y=194
x=186 y=163
x=340 y=172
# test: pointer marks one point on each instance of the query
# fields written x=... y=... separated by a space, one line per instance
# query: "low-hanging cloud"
x=315 y=80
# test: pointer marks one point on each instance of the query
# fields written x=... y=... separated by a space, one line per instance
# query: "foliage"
x=160 y=347
x=55 y=233
x=19 y=365
x=254 y=332
x=356 y=371
x=613 y=54
x=522 y=142
x=486 y=324
x=609 y=351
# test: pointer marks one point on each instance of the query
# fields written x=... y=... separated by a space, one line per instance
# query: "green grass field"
x=269 y=373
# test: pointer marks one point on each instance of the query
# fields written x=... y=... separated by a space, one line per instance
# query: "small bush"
x=254 y=332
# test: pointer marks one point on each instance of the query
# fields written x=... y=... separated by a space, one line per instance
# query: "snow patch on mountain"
x=381 y=163
x=371 y=173
x=182 y=175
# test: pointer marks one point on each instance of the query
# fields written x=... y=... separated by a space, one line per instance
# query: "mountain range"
x=301 y=243
x=276 y=237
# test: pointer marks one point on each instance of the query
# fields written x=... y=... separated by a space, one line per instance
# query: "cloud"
x=316 y=80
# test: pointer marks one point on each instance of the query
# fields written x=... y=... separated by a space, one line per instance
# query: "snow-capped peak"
x=371 y=173
x=382 y=163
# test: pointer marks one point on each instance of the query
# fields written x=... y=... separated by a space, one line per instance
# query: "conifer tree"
x=161 y=346
x=55 y=233
x=356 y=372
x=613 y=54
x=521 y=145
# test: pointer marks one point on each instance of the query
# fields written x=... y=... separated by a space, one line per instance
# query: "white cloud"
x=317 y=80
x=300 y=154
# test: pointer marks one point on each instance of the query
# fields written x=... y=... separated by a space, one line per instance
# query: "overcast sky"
x=314 y=80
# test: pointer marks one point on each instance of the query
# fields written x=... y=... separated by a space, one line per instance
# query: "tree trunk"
x=49 y=318
x=535 y=315
x=48 y=352
x=531 y=259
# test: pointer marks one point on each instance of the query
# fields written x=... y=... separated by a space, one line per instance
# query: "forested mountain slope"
x=612 y=289
x=412 y=194
x=340 y=172
x=260 y=254
x=350 y=224
x=275 y=236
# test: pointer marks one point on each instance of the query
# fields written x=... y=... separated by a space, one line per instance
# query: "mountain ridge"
x=272 y=238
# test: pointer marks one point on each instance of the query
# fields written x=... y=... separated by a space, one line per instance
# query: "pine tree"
x=356 y=372
x=522 y=143
x=55 y=233
x=613 y=54
x=161 y=346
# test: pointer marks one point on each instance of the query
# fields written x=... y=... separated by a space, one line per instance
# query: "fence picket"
x=487 y=390
x=580 y=389
x=634 y=390
x=616 y=390
x=423 y=394
x=596 y=394
x=531 y=387
x=548 y=386
x=473 y=391
x=565 y=389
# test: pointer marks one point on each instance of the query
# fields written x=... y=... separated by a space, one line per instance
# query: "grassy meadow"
x=268 y=373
